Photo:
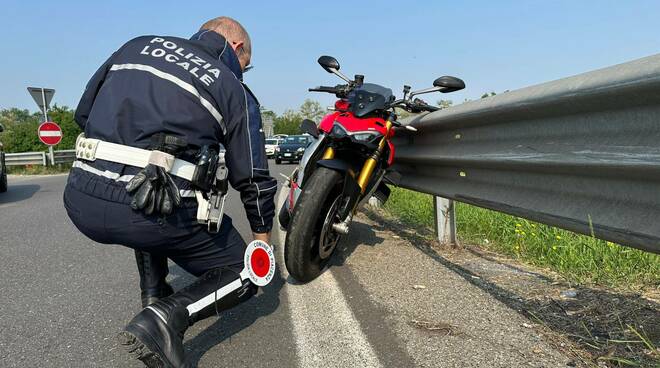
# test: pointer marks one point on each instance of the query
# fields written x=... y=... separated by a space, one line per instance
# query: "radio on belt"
x=210 y=177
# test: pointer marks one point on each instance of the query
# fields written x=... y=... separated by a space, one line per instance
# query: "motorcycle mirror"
x=309 y=127
x=448 y=84
x=329 y=63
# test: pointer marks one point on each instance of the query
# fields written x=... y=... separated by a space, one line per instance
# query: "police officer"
x=173 y=102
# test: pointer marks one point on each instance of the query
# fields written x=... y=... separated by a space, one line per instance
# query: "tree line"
x=20 y=134
x=289 y=121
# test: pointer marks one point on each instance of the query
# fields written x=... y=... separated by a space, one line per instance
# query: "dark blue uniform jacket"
x=188 y=88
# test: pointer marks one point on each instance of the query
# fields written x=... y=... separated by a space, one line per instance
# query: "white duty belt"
x=209 y=211
x=90 y=149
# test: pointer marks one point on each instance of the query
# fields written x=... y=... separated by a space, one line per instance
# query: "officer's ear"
x=241 y=53
x=237 y=46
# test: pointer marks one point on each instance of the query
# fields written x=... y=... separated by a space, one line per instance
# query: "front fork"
x=363 y=178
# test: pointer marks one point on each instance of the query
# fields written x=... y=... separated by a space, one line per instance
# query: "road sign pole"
x=51 y=153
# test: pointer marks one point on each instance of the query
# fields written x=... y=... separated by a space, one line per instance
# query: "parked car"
x=292 y=148
x=271 y=146
x=3 y=166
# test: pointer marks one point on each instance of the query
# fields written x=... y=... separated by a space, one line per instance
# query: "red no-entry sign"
x=50 y=133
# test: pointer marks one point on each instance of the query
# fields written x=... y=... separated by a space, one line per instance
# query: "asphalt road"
x=64 y=298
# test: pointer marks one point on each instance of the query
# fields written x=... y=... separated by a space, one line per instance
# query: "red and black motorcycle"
x=344 y=166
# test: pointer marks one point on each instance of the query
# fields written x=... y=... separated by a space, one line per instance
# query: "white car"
x=271 y=146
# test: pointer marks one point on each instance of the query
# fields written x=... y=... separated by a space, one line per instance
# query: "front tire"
x=306 y=228
x=284 y=217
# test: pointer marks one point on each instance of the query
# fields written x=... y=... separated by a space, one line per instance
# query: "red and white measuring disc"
x=50 y=133
x=259 y=262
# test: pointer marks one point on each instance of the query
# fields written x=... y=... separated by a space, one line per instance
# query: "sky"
x=491 y=45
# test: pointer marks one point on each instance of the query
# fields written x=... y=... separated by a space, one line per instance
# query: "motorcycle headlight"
x=338 y=131
x=365 y=137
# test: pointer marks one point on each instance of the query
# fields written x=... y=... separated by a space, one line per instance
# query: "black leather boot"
x=155 y=335
x=153 y=270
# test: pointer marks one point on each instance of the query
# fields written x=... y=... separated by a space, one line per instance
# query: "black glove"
x=155 y=191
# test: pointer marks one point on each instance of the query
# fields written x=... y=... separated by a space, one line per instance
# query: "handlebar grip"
x=323 y=89
x=421 y=105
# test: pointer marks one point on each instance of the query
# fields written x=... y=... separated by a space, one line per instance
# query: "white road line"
x=326 y=331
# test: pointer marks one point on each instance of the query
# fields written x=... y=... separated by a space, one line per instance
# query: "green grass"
x=38 y=169
x=579 y=258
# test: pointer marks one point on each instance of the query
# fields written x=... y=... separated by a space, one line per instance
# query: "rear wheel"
x=310 y=240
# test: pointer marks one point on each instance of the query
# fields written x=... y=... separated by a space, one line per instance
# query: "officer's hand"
x=155 y=191
x=265 y=237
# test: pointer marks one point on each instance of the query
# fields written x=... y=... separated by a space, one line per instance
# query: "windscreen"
x=369 y=97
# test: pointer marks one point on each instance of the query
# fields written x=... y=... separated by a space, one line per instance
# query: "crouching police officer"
x=167 y=122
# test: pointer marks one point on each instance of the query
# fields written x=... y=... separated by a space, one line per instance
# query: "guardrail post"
x=43 y=158
x=445 y=220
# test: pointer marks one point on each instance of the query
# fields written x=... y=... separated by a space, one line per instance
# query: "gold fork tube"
x=329 y=154
x=370 y=164
x=365 y=173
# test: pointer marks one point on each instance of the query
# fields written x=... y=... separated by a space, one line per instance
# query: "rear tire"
x=301 y=248
x=3 y=183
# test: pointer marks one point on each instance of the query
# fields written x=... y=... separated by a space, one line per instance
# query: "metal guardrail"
x=25 y=158
x=581 y=153
x=39 y=158
x=64 y=156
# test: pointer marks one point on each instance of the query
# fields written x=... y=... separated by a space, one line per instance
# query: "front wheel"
x=311 y=240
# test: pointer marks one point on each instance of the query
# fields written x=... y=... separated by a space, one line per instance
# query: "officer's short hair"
x=230 y=29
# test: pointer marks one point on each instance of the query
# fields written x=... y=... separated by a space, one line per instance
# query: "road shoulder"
x=438 y=309
x=564 y=323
